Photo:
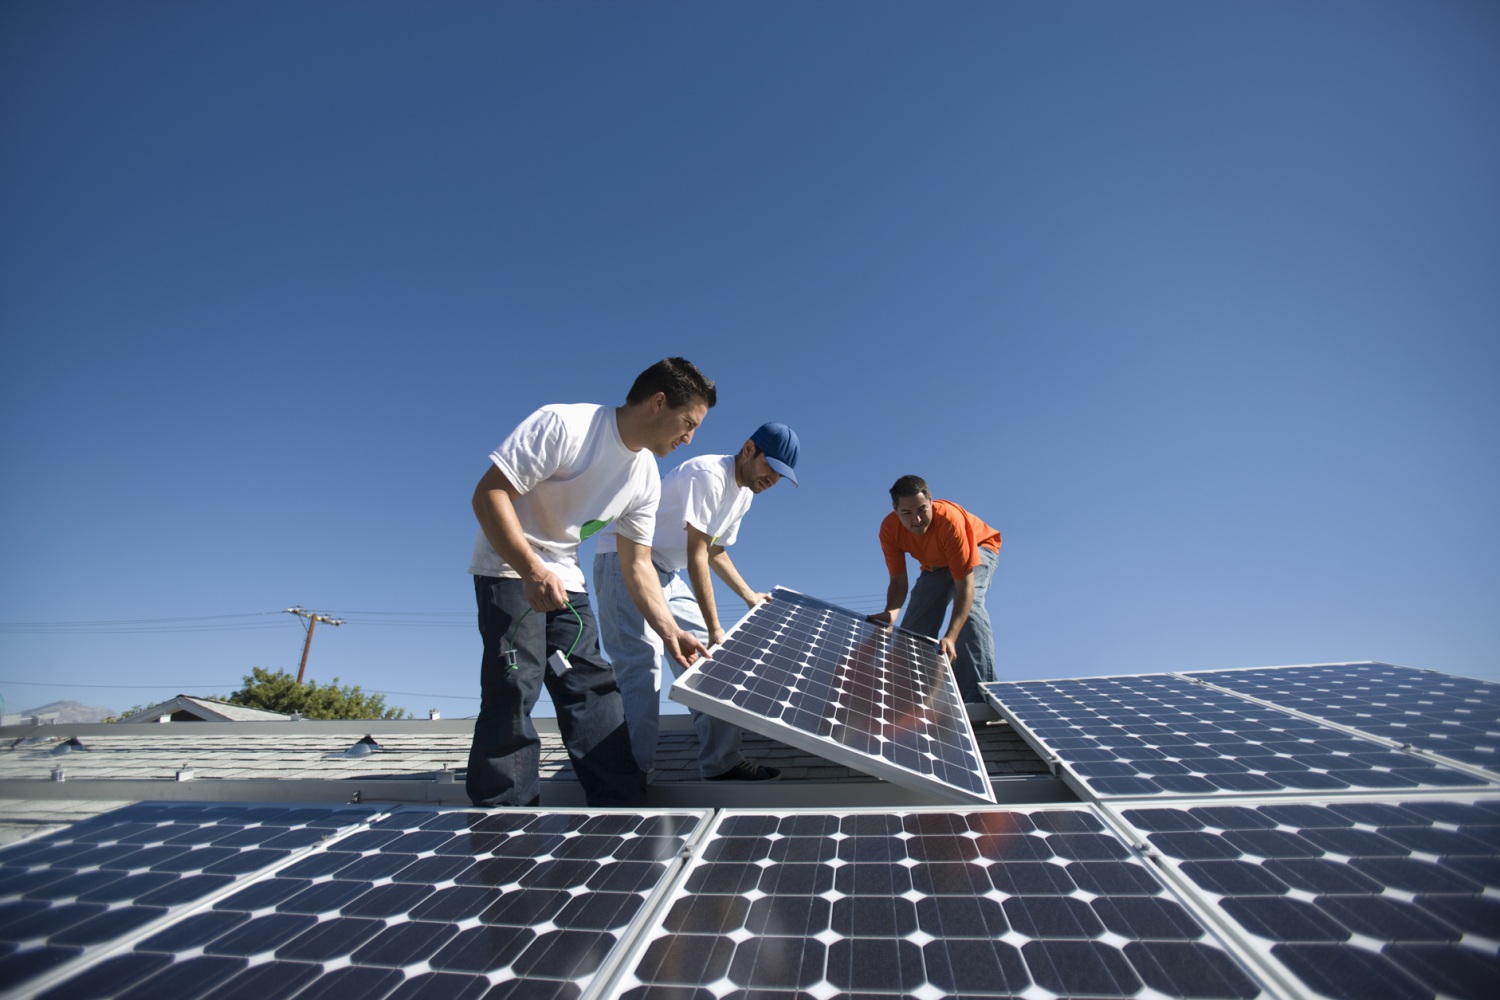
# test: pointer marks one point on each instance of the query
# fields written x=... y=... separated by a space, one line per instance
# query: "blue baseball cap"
x=779 y=442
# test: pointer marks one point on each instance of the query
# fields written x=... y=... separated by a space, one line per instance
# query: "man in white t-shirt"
x=703 y=501
x=560 y=476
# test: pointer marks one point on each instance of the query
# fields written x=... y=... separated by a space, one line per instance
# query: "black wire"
x=149 y=687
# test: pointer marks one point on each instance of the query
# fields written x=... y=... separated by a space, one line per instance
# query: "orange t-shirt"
x=952 y=541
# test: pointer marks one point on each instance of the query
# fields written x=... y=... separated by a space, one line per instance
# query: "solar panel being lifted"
x=1458 y=717
x=1165 y=735
x=823 y=679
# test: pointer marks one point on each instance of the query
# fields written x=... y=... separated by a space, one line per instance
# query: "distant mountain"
x=72 y=711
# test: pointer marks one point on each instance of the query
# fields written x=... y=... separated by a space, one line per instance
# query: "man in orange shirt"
x=957 y=554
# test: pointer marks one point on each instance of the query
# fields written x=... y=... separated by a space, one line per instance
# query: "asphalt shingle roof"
x=420 y=760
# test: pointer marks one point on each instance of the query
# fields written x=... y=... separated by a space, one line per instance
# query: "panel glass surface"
x=423 y=903
x=83 y=887
x=1164 y=735
x=1458 y=717
x=823 y=679
x=1358 y=899
x=929 y=904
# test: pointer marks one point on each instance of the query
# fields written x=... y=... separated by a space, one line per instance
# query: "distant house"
x=28 y=718
x=186 y=708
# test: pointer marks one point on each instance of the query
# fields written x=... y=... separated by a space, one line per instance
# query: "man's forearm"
x=645 y=591
x=703 y=589
x=644 y=588
x=725 y=569
x=502 y=529
x=494 y=507
x=963 y=603
x=895 y=594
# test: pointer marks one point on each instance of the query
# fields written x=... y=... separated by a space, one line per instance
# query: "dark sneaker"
x=748 y=770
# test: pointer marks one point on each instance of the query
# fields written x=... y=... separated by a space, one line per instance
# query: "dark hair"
x=678 y=378
x=909 y=486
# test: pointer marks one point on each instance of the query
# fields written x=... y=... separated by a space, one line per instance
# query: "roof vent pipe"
x=364 y=748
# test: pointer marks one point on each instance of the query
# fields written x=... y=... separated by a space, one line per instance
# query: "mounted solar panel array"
x=1457 y=717
x=66 y=895
x=930 y=904
x=1164 y=735
x=825 y=680
x=1215 y=774
x=1358 y=898
x=1256 y=897
x=1196 y=880
x=417 y=903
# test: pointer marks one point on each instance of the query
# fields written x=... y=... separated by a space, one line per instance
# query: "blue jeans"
x=925 y=611
x=637 y=653
x=506 y=753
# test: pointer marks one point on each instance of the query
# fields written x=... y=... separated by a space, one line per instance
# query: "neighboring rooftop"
x=187 y=708
x=58 y=711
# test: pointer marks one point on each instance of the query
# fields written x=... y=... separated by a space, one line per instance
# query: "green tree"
x=280 y=692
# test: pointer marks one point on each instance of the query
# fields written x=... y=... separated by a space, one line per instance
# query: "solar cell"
x=930 y=904
x=81 y=888
x=1458 y=717
x=821 y=678
x=1389 y=898
x=534 y=898
x=1162 y=735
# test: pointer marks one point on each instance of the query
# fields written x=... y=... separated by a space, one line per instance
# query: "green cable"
x=517 y=623
x=579 y=637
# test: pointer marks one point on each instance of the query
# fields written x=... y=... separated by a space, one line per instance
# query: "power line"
x=201 y=685
x=145 y=621
x=228 y=623
x=197 y=623
x=150 y=687
x=411 y=619
x=242 y=621
x=131 y=631
x=417 y=614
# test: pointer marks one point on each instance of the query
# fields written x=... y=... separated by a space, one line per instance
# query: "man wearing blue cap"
x=703 y=501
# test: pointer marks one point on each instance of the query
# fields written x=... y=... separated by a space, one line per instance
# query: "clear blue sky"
x=1199 y=303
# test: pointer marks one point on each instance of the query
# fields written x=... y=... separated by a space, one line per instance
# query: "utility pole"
x=312 y=620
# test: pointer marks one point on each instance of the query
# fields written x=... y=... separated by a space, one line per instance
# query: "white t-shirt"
x=700 y=492
x=575 y=475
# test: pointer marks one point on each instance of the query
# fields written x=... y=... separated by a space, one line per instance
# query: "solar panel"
x=1365 y=897
x=422 y=903
x=821 y=678
x=1040 y=902
x=80 y=889
x=1164 y=735
x=1236 y=848
x=1458 y=717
